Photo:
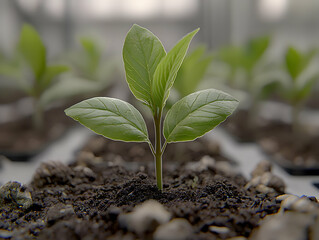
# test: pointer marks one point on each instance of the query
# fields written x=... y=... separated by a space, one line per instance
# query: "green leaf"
x=110 y=117
x=196 y=114
x=51 y=72
x=167 y=69
x=92 y=54
x=142 y=52
x=32 y=49
x=192 y=71
x=294 y=62
x=255 y=49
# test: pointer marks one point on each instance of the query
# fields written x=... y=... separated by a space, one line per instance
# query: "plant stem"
x=37 y=116
x=158 y=150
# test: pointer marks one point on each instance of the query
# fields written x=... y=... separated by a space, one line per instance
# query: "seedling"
x=150 y=74
x=260 y=79
x=192 y=71
x=90 y=64
x=34 y=76
x=299 y=86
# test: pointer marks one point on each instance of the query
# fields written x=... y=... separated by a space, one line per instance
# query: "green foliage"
x=165 y=73
x=110 y=117
x=192 y=71
x=150 y=74
x=254 y=51
x=30 y=71
x=32 y=49
x=298 y=87
x=142 y=52
x=198 y=113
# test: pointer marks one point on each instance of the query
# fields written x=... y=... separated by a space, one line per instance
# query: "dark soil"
x=297 y=154
x=181 y=152
x=10 y=96
x=99 y=187
x=19 y=140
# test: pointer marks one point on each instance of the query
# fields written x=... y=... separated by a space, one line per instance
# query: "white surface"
x=248 y=155
x=62 y=151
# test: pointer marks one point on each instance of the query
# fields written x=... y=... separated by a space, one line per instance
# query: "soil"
x=10 y=96
x=19 y=140
x=297 y=155
x=98 y=187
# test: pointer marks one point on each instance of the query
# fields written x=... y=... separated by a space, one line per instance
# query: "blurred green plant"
x=259 y=77
x=192 y=71
x=88 y=63
x=31 y=73
x=150 y=74
x=299 y=83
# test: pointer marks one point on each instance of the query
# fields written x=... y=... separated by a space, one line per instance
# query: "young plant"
x=90 y=64
x=32 y=74
x=259 y=80
x=192 y=71
x=150 y=74
x=299 y=85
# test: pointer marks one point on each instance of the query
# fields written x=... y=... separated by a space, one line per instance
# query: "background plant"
x=150 y=74
x=90 y=63
x=29 y=71
x=192 y=71
x=299 y=82
x=259 y=78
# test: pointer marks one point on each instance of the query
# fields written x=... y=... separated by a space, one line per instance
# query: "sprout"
x=150 y=74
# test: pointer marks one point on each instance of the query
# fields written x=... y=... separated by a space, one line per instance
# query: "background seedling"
x=297 y=87
x=90 y=63
x=30 y=71
x=192 y=71
x=260 y=78
x=150 y=74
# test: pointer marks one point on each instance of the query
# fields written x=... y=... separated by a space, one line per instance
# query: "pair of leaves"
x=192 y=71
x=188 y=119
x=150 y=72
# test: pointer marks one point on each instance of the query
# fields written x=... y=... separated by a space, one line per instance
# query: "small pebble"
x=203 y=164
x=219 y=230
x=16 y=194
x=145 y=217
x=261 y=168
x=58 y=212
x=176 y=229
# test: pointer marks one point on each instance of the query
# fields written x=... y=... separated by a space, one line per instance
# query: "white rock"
x=220 y=230
x=225 y=167
x=288 y=202
x=282 y=197
x=261 y=168
x=145 y=217
x=177 y=229
x=203 y=164
x=287 y=226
